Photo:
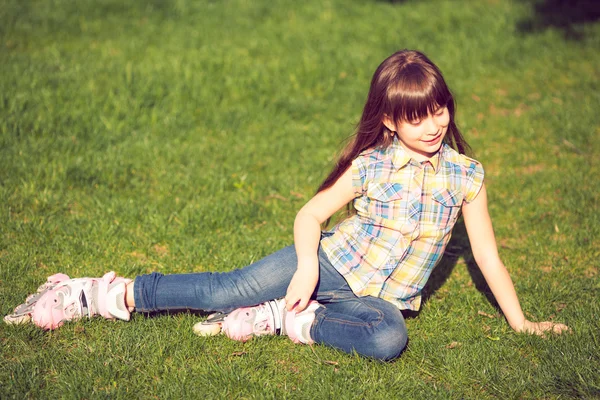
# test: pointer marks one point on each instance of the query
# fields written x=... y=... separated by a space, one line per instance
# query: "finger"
x=540 y=331
x=560 y=328
x=538 y=328
x=290 y=303
x=545 y=326
x=301 y=305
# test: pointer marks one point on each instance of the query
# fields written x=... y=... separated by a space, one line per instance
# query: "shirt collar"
x=400 y=156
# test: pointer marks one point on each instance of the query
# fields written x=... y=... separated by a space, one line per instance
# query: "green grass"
x=183 y=136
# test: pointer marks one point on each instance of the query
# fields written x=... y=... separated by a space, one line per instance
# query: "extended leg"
x=264 y=280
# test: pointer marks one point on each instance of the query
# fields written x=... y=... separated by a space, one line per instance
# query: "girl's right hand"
x=307 y=234
x=301 y=288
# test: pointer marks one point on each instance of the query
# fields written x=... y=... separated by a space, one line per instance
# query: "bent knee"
x=388 y=346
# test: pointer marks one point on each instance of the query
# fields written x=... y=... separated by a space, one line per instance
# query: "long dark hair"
x=406 y=86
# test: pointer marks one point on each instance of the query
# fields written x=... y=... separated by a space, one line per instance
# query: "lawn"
x=182 y=136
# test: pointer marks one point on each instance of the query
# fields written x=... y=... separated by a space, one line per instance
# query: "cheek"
x=445 y=119
x=411 y=132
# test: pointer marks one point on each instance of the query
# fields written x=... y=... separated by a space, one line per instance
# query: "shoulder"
x=367 y=164
x=465 y=173
x=452 y=159
x=372 y=156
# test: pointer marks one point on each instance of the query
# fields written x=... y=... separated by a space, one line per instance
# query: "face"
x=422 y=138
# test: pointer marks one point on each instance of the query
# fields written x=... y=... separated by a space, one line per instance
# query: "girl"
x=407 y=178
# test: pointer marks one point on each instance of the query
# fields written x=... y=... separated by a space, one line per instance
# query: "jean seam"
x=138 y=290
x=379 y=320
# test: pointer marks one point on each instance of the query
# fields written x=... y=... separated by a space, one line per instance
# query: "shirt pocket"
x=448 y=198
x=385 y=192
x=387 y=203
x=446 y=207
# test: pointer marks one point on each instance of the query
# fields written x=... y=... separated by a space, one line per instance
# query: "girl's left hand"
x=541 y=328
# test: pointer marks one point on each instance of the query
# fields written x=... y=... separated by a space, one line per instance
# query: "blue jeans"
x=368 y=325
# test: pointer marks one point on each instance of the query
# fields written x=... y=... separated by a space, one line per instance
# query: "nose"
x=432 y=126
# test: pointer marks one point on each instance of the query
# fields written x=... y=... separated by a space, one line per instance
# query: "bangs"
x=417 y=94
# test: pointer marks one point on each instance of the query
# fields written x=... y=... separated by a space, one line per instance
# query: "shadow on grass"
x=567 y=15
x=457 y=247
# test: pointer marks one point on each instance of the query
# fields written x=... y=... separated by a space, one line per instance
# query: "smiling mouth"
x=435 y=139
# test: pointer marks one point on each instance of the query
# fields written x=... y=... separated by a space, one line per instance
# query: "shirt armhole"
x=359 y=173
x=474 y=181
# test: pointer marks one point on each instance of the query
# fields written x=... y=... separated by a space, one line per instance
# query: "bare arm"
x=307 y=233
x=483 y=243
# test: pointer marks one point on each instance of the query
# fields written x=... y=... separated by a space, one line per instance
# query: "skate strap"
x=276 y=317
x=216 y=318
x=115 y=301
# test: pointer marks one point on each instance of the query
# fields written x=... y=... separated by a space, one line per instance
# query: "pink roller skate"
x=63 y=299
x=270 y=318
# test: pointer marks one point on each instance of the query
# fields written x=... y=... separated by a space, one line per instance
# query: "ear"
x=387 y=121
